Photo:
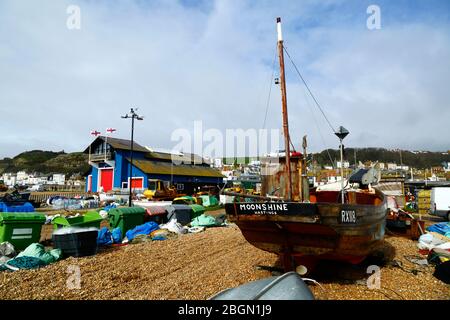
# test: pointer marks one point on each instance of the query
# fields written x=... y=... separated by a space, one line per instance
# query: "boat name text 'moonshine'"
x=264 y=208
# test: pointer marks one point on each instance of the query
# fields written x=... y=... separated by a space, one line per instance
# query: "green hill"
x=419 y=160
x=46 y=162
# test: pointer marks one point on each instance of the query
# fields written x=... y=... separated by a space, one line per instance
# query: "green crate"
x=126 y=218
x=21 y=229
x=197 y=210
x=209 y=201
x=89 y=219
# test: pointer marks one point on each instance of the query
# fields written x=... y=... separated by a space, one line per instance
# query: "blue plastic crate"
x=26 y=207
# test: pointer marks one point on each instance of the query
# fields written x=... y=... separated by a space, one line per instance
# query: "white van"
x=440 y=202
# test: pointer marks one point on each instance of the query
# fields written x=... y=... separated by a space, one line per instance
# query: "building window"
x=151 y=185
x=180 y=186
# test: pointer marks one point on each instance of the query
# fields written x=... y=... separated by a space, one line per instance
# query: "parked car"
x=440 y=202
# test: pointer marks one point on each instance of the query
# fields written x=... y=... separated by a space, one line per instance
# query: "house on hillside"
x=345 y=163
x=109 y=159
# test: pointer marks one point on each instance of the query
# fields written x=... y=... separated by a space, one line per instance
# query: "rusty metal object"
x=273 y=182
x=404 y=224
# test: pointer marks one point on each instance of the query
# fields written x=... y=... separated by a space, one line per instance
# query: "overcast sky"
x=182 y=61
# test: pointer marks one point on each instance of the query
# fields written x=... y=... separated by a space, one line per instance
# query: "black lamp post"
x=341 y=134
x=133 y=115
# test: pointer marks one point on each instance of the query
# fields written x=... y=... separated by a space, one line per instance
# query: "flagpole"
x=106 y=142
x=94 y=133
x=108 y=131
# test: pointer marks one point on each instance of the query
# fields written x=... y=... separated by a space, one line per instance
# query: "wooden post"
x=284 y=110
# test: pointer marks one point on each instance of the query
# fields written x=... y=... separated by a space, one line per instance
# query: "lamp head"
x=341 y=133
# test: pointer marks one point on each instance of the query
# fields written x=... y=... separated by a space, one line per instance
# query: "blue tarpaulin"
x=441 y=228
x=145 y=228
x=104 y=237
x=107 y=237
x=109 y=207
x=117 y=235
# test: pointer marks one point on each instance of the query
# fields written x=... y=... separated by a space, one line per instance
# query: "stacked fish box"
x=424 y=201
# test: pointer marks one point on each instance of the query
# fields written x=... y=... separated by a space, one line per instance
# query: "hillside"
x=46 y=162
x=418 y=160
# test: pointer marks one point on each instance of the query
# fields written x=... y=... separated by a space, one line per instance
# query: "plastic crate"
x=197 y=210
x=180 y=212
x=156 y=214
x=16 y=207
x=77 y=243
x=209 y=201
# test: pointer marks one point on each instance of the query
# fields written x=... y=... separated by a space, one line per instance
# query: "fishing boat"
x=114 y=196
x=302 y=225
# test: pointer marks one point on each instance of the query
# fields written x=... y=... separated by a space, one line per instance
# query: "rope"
x=308 y=103
x=309 y=90
x=385 y=294
x=320 y=286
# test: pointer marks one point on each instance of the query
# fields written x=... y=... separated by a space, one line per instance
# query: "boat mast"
x=284 y=110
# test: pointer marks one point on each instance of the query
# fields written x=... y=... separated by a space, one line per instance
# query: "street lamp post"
x=133 y=115
x=341 y=134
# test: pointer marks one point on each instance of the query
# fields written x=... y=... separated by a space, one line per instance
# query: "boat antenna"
x=284 y=110
x=341 y=134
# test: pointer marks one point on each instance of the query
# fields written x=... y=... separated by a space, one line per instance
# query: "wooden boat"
x=303 y=233
x=118 y=196
x=304 y=226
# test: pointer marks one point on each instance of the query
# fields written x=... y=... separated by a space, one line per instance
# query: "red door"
x=106 y=179
x=137 y=183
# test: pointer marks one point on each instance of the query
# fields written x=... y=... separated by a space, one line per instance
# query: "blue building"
x=109 y=159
